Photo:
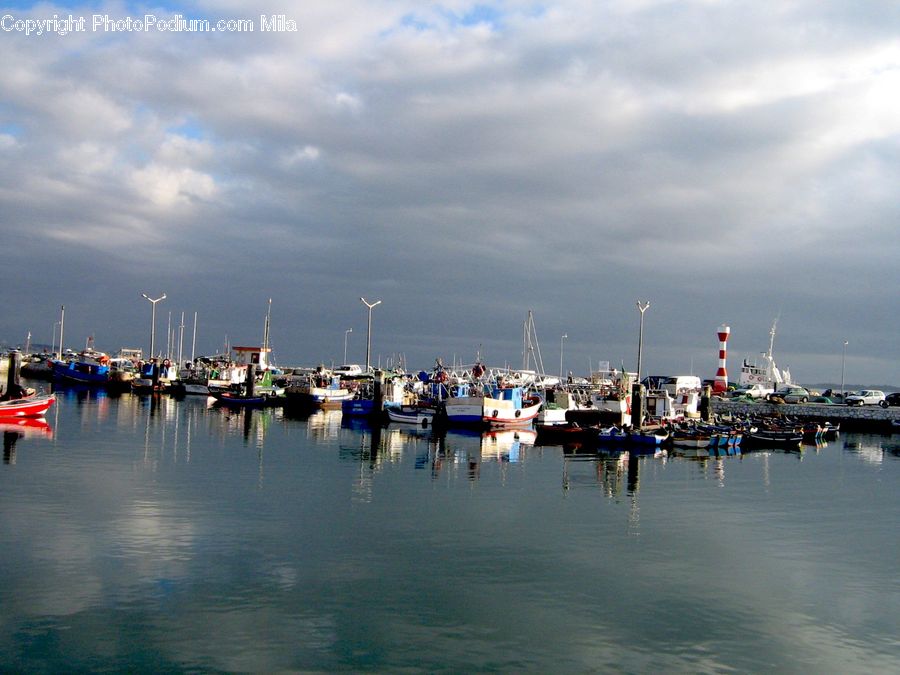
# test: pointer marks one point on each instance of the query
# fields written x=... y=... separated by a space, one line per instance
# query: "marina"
x=465 y=517
x=148 y=532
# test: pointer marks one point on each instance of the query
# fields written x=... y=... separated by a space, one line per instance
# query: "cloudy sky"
x=729 y=161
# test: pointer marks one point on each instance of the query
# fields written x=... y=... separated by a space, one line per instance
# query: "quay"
x=868 y=419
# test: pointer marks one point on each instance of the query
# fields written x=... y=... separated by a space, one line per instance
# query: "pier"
x=870 y=418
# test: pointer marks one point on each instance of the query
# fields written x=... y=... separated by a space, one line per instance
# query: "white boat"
x=492 y=406
x=317 y=390
x=605 y=400
x=419 y=415
x=673 y=398
x=765 y=374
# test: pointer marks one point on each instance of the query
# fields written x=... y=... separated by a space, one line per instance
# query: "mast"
x=62 y=323
x=771 y=339
x=266 y=329
x=194 y=341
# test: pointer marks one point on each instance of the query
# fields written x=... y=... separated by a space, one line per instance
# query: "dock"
x=868 y=419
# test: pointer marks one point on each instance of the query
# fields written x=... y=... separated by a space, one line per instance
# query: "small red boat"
x=30 y=406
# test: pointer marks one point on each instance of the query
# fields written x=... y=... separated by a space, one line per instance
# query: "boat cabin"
x=258 y=356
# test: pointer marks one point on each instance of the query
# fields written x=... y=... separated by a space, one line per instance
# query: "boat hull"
x=416 y=415
x=82 y=373
x=33 y=406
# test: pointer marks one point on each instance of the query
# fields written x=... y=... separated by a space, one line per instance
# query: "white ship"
x=766 y=373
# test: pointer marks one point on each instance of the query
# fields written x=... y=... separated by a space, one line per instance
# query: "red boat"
x=30 y=406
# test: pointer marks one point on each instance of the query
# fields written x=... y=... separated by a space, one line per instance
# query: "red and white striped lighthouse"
x=720 y=384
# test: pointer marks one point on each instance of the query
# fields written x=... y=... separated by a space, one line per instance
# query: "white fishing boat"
x=673 y=398
x=765 y=373
x=320 y=389
x=419 y=415
x=492 y=405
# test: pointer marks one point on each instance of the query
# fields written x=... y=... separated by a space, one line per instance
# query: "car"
x=790 y=395
x=752 y=391
x=866 y=397
x=891 y=400
x=348 y=370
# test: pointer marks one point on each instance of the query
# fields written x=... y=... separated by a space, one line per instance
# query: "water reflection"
x=395 y=548
x=604 y=470
x=15 y=429
x=869 y=449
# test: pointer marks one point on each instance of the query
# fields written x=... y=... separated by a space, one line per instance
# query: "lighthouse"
x=720 y=384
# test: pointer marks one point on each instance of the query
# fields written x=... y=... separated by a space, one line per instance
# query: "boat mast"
x=266 y=328
x=532 y=347
x=266 y=335
x=62 y=323
x=770 y=360
x=194 y=341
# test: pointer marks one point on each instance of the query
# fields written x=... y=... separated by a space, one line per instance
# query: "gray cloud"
x=731 y=163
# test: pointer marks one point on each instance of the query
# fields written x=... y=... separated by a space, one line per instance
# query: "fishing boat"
x=154 y=377
x=647 y=437
x=493 y=406
x=362 y=401
x=765 y=374
x=691 y=438
x=317 y=390
x=672 y=398
x=776 y=437
x=86 y=367
x=122 y=373
x=568 y=432
x=420 y=415
x=30 y=406
x=233 y=399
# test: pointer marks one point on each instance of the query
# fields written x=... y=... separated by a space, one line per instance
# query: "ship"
x=767 y=374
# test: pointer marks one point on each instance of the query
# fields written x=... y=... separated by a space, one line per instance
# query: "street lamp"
x=843 y=357
x=369 y=329
x=346 y=334
x=153 y=320
x=643 y=307
x=561 y=338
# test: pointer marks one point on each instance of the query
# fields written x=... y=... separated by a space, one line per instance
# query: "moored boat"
x=420 y=415
x=317 y=390
x=35 y=405
x=234 y=399
x=86 y=367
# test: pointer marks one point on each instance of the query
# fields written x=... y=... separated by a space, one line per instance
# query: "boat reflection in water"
x=15 y=429
x=604 y=469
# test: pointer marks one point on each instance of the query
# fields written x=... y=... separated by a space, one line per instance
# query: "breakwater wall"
x=870 y=418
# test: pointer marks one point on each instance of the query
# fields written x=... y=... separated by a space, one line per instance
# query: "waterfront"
x=146 y=533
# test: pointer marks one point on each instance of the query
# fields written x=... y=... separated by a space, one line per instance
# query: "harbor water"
x=148 y=534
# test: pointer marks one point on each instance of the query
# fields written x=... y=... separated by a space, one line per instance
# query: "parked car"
x=891 y=400
x=866 y=397
x=790 y=395
x=348 y=370
x=752 y=391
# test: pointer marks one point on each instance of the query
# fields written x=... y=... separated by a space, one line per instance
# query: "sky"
x=731 y=162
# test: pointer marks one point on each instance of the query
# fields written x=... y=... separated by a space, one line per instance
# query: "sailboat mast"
x=266 y=330
x=194 y=340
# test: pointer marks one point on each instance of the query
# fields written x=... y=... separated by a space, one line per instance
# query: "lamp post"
x=642 y=306
x=346 y=334
x=843 y=358
x=369 y=329
x=153 y=320
x=561 y=338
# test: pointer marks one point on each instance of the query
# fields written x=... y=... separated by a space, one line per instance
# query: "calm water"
x=147 y=535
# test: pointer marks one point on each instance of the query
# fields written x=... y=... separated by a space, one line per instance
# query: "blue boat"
x=88 y=367
x=628 y=437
